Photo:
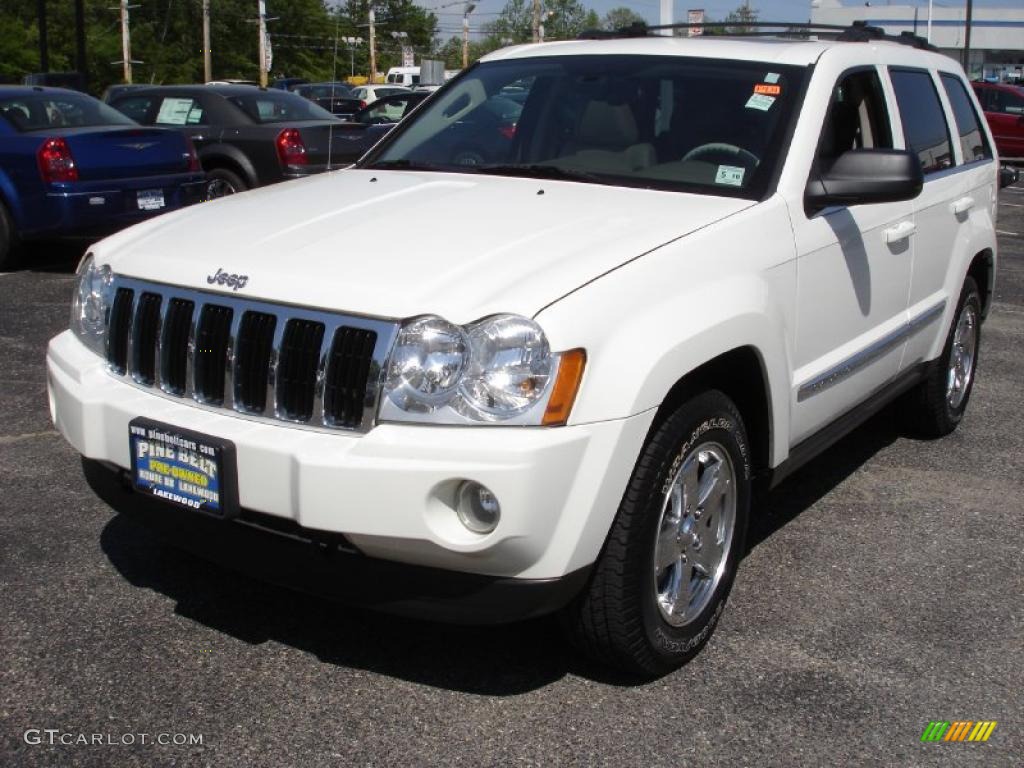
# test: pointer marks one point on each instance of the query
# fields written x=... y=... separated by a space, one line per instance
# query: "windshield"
x=269 y=107
x=50 y=110
x=702 y=125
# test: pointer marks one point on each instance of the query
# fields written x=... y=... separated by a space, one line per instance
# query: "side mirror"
x=863 y=176
x=1008 y=176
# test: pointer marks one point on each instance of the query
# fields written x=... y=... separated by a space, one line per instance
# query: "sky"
x=450 y=17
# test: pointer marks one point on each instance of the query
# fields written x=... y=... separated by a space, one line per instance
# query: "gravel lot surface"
x=884 y=590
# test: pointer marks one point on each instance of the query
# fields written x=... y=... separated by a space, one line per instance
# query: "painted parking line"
x=1003 y=232
x=1012 y=205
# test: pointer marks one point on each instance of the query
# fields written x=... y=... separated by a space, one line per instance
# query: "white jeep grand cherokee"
x=674 y=270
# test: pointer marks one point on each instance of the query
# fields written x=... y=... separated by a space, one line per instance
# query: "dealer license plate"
x=185 y=468
x=151 y=199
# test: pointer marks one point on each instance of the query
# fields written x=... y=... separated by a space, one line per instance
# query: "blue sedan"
x=70 y=166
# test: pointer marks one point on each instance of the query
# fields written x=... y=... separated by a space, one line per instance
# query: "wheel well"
x=982 y=269
x=740 y=376
x=220 y=161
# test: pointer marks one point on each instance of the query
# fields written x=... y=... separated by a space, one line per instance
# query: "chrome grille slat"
x=290 y=396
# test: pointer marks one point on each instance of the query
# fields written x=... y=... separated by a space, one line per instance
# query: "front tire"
x=669 y=562
x=937 y=405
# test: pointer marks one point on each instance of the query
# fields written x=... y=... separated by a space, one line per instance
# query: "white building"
x=997 y=33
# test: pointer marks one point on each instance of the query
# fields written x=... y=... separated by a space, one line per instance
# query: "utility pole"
x=207 y=64
x=44 y=48
x=536 y=21
x=967 y=37
x=465 y=33
x=126 y=43
x=373 y=46
x=262 y=25
x=80 y=38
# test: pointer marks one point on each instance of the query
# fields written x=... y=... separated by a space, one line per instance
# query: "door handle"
x=963 y=205
x=901 y=231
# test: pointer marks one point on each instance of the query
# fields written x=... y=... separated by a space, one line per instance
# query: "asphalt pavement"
x=883 y=590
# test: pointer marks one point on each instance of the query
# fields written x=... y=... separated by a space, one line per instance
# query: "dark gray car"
x=246 y=137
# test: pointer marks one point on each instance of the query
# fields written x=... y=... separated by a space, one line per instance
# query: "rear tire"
x=936 y=406
x=221 y=182
x=668 y=564
x=8 y=240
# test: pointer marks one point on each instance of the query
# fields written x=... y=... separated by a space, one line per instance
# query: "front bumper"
x=390 y=492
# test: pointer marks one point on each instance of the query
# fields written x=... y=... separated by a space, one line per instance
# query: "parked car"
x=336 y=98
x=287 y=83
x=483 y=134
x=246 y=137
x=112 y=92
x=371 y=93
x=564 y=378
x=74 y=81
x=70 y=166
x=354 y=137
x=1004 y=109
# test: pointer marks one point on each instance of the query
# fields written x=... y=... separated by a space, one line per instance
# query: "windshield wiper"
x=539 y=171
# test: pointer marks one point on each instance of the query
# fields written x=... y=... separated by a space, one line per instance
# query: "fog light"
x=478 y=508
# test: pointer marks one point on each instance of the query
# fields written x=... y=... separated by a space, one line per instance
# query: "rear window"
x=279 y=107
x=973 y=143
x=43 y=111
x=924 y=124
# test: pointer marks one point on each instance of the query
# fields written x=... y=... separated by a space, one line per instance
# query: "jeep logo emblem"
x=235 y=282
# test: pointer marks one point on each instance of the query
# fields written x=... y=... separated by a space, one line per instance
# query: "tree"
x=563 y=20
x=620 y=18
x=738 y=21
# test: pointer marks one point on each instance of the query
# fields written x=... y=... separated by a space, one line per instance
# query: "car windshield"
x=268 y=107
x=688 y=124
x=43 y=111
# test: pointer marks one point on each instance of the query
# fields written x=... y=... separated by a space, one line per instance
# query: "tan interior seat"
x=607 y=141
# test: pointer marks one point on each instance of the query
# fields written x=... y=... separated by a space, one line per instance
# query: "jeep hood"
x=398 y=244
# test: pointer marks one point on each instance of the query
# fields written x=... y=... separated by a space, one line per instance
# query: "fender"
x=707 y=294
x=213 y=152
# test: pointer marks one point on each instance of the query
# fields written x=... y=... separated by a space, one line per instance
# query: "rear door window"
x=973 y=143
x=924 y=124
x=1007 y=102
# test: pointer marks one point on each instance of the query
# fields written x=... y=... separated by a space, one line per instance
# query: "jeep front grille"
x=265 y=361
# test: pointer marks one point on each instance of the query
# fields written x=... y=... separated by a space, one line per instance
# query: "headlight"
x=91 y=303
x=498 y=370
x=426 y=364
x=508 y=370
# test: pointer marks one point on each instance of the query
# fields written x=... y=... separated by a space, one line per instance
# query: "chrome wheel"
x=219 y=188
x=961 y=357
x=695 y=533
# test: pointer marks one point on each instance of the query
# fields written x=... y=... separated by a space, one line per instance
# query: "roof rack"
x=857 y=32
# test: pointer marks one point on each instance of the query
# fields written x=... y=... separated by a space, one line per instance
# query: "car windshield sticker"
x=174 y=111
x=768 y=90
x=760 y=101
x=730 y=174
x=771 y=77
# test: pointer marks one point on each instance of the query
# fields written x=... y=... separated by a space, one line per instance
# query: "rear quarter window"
x=973 y=143
x=924 y=123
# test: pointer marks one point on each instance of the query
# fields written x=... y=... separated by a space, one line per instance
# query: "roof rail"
x=857 y=32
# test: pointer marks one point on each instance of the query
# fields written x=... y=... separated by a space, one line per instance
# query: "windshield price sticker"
x=760 y=101
x=768 y=89
x=182 y=467
x=731 y=175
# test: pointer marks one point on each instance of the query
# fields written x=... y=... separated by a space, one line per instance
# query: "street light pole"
x=44 y=49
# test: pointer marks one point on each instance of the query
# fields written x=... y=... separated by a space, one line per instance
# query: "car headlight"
x=90 y=304
x=496 y=370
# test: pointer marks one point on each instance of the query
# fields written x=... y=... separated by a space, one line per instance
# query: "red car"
x=1004 y=109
